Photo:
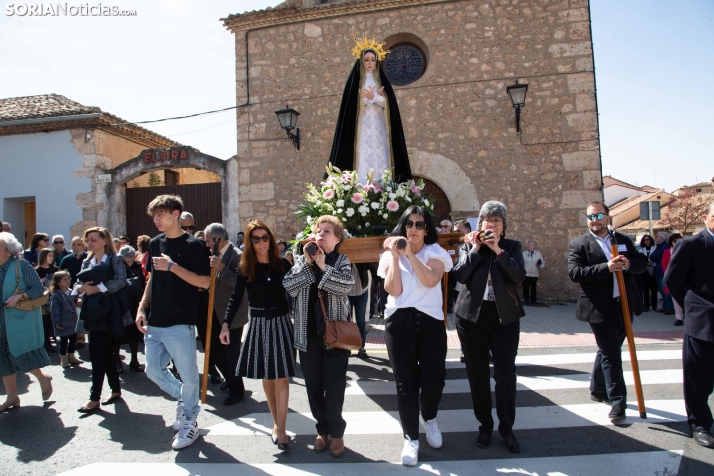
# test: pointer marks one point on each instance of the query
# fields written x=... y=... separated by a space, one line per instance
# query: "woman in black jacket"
x=101 y=312
x=135 y=283
x=488 y=318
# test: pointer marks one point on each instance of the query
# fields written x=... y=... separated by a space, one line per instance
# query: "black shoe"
x=225 y=385
x=112 y=399
x=135 y=367
x=678 y=322
x=120 y=369
x=50 y=349
x=617 y=413
x=216 y=379
x=232 y=400
x=484 y=439
x=84 y=409
x=283 y=446
x=462 y=359
x=512 y=443
x=362 y=354
x=599 y=397
x=704 y=438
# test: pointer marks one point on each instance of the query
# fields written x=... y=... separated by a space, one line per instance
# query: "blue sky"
x=653 y=64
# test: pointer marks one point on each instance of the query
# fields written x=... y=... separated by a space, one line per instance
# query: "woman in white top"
x=414 y=325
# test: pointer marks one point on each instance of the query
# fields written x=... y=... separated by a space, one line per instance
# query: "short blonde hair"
x=337 y=226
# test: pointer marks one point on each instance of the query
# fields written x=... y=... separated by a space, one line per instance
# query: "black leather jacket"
x=506 y=272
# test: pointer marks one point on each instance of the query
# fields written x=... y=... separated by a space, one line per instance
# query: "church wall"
x=457 y=113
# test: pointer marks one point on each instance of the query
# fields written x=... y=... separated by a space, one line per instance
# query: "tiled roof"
x=44 y=105
x=54 y=105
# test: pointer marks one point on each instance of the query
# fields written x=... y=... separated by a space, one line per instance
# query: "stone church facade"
x=458 y=120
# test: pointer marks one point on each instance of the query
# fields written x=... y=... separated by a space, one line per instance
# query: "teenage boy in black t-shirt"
x=179 y=266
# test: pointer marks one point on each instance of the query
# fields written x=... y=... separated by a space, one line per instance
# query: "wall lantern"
x=517 y=93
x=288 y=120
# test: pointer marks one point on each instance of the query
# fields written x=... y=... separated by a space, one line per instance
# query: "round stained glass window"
x=405 y=64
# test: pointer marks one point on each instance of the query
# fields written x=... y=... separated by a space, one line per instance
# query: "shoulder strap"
x=17 y=274
x=322 y=305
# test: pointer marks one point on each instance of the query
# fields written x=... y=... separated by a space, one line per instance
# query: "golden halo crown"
x=369 y=45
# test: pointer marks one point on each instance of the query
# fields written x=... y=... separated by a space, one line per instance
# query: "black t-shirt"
x=73 y=265
x=173 y=300
x=263 y=293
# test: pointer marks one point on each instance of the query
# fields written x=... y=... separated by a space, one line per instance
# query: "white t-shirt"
x=414 y=293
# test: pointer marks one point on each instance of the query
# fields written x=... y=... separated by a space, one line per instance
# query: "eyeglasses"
x=493 y=221
x=58 y=242
x=93 y=239
x=257 y=239
x=420 y=225
x=599 y=216
x=192 y=227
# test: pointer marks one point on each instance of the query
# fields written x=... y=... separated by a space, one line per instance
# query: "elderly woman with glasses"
x=414 y=325
x=488 y=318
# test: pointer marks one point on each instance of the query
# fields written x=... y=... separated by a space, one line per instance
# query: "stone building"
x=457 y=59
x=66 y=167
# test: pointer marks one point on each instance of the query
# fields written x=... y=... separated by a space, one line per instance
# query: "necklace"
x=267 y=275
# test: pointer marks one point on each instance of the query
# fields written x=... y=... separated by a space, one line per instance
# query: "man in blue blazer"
x=690 y=280
x=591 y=265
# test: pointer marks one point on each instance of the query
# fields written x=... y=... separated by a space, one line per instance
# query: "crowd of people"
x=157 y=293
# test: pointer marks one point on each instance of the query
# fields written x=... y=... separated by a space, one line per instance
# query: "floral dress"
x=35 y=359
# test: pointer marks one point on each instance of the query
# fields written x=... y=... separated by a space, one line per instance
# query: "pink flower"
x=392 y=206
x=357 y=198
x=328 y=194
x=415 y=189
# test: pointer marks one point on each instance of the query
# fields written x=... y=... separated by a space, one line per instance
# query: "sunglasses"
x=256 y=239
x=599 y=216
x=93 y=239
x=420 y=225
x=192 y=227
x=58 y=242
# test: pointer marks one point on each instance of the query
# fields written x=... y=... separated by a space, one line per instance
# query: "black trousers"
x=529 y=289
x=101 y=355
x=649 y=291
x=67 y=344
x=48 y=328
x=416 y=343
x=607 y=376
x=698 y=361
x=377 y=293
x=232 y=353
x=476 y=339
x=325 y=372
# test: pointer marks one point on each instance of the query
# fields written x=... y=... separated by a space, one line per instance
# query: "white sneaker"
x=410 y=452
x=433 y=435
x=180 y=417
x=186 y=435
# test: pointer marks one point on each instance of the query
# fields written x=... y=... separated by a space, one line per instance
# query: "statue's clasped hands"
x=370 y=93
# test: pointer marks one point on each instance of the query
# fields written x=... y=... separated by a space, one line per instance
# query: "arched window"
x=404 y=64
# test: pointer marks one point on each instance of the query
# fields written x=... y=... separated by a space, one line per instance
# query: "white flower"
x=310 y=220
x=359 y=227
x=400 y=192
x=366 y=224
x=392 y=196
x=363 y=210
x=344 y=219
x=389 y=189
x=375 y=205
x=426 y=202
x=340 y=203
x=348 y=187
x=385 y=216
x=350 y=212
x=318 y=202
x=339 y=211
x=408 y=199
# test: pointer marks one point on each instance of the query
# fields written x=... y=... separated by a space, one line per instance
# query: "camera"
x=539 y=263
x=484 y=234
x=311 y=248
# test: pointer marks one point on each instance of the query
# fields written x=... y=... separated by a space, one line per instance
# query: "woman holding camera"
x=414 y=325
x=267 y=352
x=321 y=279
x=488 y=318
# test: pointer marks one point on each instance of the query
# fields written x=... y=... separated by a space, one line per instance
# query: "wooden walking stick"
x=209 y=324
x=628 y=330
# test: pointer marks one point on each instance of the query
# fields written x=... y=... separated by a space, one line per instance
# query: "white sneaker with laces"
x=433 y=435
x=180 y=417
x=410 y=452
x=186 y=435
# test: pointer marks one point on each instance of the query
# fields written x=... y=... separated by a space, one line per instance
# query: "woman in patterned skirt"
x=267 y=352
x=32 y=361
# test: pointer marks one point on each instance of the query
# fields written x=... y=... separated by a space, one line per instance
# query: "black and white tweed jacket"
x=336 y=281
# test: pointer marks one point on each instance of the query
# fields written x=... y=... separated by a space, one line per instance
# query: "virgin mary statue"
x=369 y=134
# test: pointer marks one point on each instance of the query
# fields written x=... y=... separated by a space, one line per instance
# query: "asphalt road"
x=560 y=430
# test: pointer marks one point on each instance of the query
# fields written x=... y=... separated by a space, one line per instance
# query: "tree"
x=155 y=180
x=685 y=211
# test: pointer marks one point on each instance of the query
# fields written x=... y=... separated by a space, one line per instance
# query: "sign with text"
x=165 y=155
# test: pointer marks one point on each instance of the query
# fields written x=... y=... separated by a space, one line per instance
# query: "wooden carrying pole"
x=628 y=330
x=209 y=325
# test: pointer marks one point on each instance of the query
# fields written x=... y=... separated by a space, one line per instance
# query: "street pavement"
x=560 y=430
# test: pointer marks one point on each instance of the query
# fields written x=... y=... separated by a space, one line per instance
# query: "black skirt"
x=268 y=351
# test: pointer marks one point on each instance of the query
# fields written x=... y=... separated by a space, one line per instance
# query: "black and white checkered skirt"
x=268 y=352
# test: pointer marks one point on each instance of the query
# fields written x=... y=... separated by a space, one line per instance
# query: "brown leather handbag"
x=340 y=334
x=28 y=304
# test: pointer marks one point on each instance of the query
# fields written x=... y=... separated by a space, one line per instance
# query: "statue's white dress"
x=373 y=140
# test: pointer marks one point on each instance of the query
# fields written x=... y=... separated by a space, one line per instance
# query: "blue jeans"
x=666 y=297
x=162 y=344
x=360 y=305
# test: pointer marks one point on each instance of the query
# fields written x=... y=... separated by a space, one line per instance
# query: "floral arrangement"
x=362 y=206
